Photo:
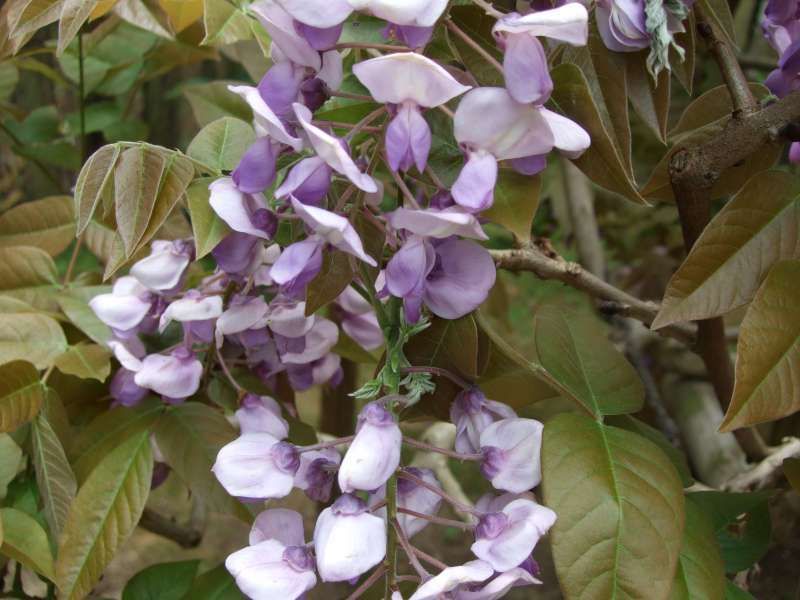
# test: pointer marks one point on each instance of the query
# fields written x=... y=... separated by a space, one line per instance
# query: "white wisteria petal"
x=261 y=414
x=319 y=341
x=452 y=577
x=318 y=13
x=191 y=308
x=421 y=13
x=281 y=28
x=241 y=316
x=171 y=376
x=246 y=468
x=331 y=150
x=408 y=76
x=281 y=524
x=437 y=223
x=266 y=121
x=512 y=454
x=262 y=573
x=568 y=23
x=569 y=137
x=125 y=307
x=164 y=267
x=499 y=586
x=235 y=207
x=126 y=358
x=289 y=319
x=490 y=119
x=332 y=71
x=374 y=454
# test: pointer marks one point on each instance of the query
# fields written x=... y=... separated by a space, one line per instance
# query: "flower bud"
x=317 y=472
x=261 y=414
x=124 y=390
x=375 y=452
x=472 y=412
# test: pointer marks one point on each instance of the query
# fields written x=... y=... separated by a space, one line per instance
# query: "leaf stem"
x=407 y=548
x=431 y=448
x=490 y=10
x=368 y=583
x=460 y=506
x=325 y=445
x=435 y=519
x=367 y=46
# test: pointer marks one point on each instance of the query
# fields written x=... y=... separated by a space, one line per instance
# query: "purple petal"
x=237 y=253
x=299 y=260
x=461 y=281
x=567 y=23
x=308 y=181
x=256 y=170
x=421 y=13
x=408 y=139
x=279 y=524
x=174 y=376
x=320 y=38
x=530 y=165
x=280 y=87
x=280 y=27
x=474 y=188
x=526 y=71
x=569 y=137
x=318 y=13
x=437 y=223
x=453 y=577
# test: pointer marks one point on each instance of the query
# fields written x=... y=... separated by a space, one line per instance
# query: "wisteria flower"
x=412 y=496
x=472 y=412
x=281 y=29
x=261 y=414
x=359 y=321
x=374 y=453
x=333 y=151
x=242 y=212
x=163 y=268
x=408 y=82
x=511 y=451
x=317 y=473
x=348 y=540
x=621 y=24
x=438 y=223
x=175 y=376
x=257 y=465
x=452 y=578
x=125 y=307
x=124 y=390
x=499 y=586
x=298 y=265
x=525 y=61
x=194 y=306
x=419 y=13
x=267 y=123
x=505 y=539
x=452 y=277
x=319 y=340
x=308 y=181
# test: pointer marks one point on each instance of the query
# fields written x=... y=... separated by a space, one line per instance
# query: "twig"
x=490 y=10
x=533 y=260
x=429 y=559
x=580 y=205
x=765 y=473
x=409 y=550
x=362 y=124
x=342 y=125
x=401 y=184
x=365 y=46
x=391 y=536
x=368 y=583
x=473 y=44
x=185 y=537
x=324 y=445
x=73 y=259
x=429 y=448
x=460 y=506
x=340 y=94
x=436 y=519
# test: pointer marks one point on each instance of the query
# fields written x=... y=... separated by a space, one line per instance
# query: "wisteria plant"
x=339 y=238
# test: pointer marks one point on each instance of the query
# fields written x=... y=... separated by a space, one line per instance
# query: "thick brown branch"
x=766 y=473
x=572 y=274
x=185 y=537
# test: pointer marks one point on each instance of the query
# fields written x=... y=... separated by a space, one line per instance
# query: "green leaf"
x=758 y=227
x=712 y=106
x=650 y=100
x=32 y=337
x=136 y=186
x=48 y=224
x=209 y=229
x=108 y=430
x=93 y=180
x=190 y=436
x=166 y=581
x=700 y=574
x=516 y=198
x=211 y=101
x=31 y=15
x=734 y=592
x=21 y=394
x=143 y=15
x=25 y=541
x=675 y=456
x=335 y=275
x=105 y=512
x=28 y=274
x=87 y=361
x=216 y=584
x=474 y=21
x=720 y=13
x=54 y=476
x=10 y=459
x=741 y=523
x=221 y=143
x=577 y=354
x=224 y=24
x=602 y=162
x=767 y=387
x=620 y=510
x=84 y=318
x=74 y=13
x=9 y=77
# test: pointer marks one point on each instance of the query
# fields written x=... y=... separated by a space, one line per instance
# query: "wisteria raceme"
x=302 y=197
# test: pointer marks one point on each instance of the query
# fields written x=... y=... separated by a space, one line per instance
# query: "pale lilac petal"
x=318 y=13
x=418 y=499
x=474 y=188
x=408 y=77
x=238 y=253
x=530 y=165
x=569 y=137
x=326 y=369
x=256 y=169
x=280 y=26
x=191 y=308
x=125 y=307
x=499 y=586
x=526 y=523
x=408 y=139
x=162 y=270
x=241 y=316
x=408 y=268
x=603 y=18
x=171 y=376
x=235 y=207
x=437 y=223
x=374 y=454
x=461 y=281
x=364 y=330
x=261 y=572
x=330 y=149
x=411 y=35
x=517 y=464
x=246 y=469
x=353 y=302
x=567 y=23
x=335 y=229
x=298 y=264
x=262 y=414
x=332 y=71
x=794 y=153
x=288 y=318
x=315 y=475
x=471 y=412
x=527 y=75
x=265 y=119
x=123 y=388
x=308 y=181
x=319 y=341
x=489 y=118
x=124 y=356
x=348 y=545
x=279 y=524
x=452 y=577
x=423 y=13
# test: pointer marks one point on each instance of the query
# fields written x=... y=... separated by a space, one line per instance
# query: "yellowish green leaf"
x=87 y=361
x=74 y=13
x=54 y=476
x=104 y=513
x=31 y=337
x=25 y=541
x=224 y=23
x=21 y=394
x=700 y=574
x=83 y=318
x=221 y=144
x=28 y=274
x=48 y=224
x=10 y=459
x=28 y=16
x=182 y=13
x=768 y=358
x=136 y=186
x=620 y=510
x=209 y=229
x=143 y=15
x=93 y=180
x=758 y=227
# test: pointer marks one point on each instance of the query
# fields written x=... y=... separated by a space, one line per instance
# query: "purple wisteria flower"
x=505 y=539
x=308 y=181
x=245 y=212
x=374 y=453
x=348 y=540
x=621 y=24
x=257 y=466
x=452 y=578
x=124 y=390
x=359 y=320
x=163 y=268
x=408 y=82
x=525 y=62
x=175 y=376
x=498 y=586
x=196 y=312
x=261 y=414
x=277 y=564
x=511 y=454
x=125 y=307
x=437 y=223
x=472 y=412
x=452 y=277
x=317 y=473
x=490 y=126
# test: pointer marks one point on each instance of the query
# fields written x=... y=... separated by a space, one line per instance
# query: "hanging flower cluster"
x=251 y=311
